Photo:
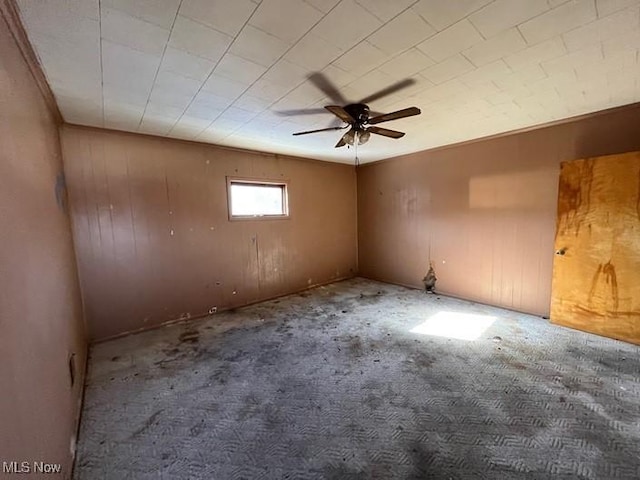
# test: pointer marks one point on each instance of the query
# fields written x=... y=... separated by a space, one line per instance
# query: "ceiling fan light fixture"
x=350 y=137
x=363 y=137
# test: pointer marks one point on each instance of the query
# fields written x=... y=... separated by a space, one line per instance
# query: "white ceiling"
x=219 y=71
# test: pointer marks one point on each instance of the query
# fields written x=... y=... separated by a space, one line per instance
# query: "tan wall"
x=40 y=311
x=129 y=193
x=483 y=212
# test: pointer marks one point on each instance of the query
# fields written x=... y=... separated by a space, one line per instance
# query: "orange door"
x=596 y=269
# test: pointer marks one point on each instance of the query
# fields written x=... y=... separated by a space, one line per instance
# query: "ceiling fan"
x=357 y=116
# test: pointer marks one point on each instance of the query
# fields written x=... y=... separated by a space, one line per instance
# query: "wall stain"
x=574 y=195
x=608 y=272
x=62 y=198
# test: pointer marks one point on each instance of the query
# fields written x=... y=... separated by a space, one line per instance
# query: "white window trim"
x=284 y=184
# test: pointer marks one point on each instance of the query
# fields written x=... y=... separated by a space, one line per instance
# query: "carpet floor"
x=362 y=380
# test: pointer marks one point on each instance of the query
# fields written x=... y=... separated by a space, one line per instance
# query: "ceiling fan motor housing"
x=359 y=112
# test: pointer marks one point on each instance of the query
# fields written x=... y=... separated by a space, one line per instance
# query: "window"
x=256 y=198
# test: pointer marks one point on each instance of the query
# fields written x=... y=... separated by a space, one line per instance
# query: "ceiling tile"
x=616 y=63
x=453 y=40
x=448 y=69
x=237 y=114
x=158 y=12
x=607 y=7
x=367 y=85
x=486 y=73
x=58 y=17
x=629 y=40
x=269 y=90
x=259 y=47
x=80 y=112
x=122 y=116
x=79 y=88
x=155 y=125
x=361 y=59
x=168 y=113
x=287 y=20
x=546 y=50
x=221 y=127
x=251 y=103
x=56 y=22
x=70 y=65
x=384 y=9
x=313 y=52
x=323 y=6
x=444 y=13
x=127 y=67
x=501 y=15
x=185 y=64
x=445 y=90
x=234 y=67
x=509 y=41
x=225 y=87
x=560 y=81
x=223 y=15
x=559 y=20
x=339 y=28
x=572 y=60
x=134 y=95
x=212 y=136
x=286 y=73
x=174 y=90
x=119 y=27
x=301 y=97
x=194 y=124
x=524 y=77
x=207 y=105
x=555 y=3
x=500 y=98
x=156 y=86
x=403 y=32
x=198 y=39
x=337 y=76
x=603 y=29
x=406 y=64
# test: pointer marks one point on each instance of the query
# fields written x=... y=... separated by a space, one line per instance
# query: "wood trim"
x=11 y=13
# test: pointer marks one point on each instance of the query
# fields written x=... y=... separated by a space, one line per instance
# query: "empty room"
x=320 y=239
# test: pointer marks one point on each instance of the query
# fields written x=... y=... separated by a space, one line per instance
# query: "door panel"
x=596 y=269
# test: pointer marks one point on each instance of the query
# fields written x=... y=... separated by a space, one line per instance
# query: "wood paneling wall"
x=41 y=323
x=154 y=241
x=483 y=212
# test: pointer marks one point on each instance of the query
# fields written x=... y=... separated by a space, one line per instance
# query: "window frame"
x=282 y=183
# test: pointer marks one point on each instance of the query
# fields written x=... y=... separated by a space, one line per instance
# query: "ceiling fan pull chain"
x=357 y=162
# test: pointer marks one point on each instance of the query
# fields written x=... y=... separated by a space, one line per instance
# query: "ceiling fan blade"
x=326 y=87
x=406 y=112
x=385 y=132
x=300 y=111
x=407 y=82
x=341 y=113
x=321 y=130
